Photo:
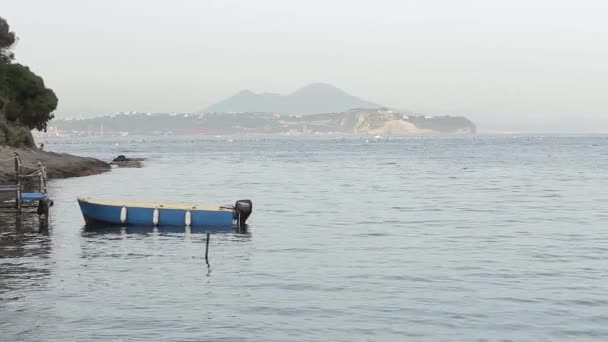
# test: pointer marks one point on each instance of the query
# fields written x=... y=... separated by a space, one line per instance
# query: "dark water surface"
x=497 y=238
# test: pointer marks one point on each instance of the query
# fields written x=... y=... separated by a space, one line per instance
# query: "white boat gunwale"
x=151 y=205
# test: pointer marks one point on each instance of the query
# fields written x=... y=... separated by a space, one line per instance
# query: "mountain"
x=315 y=98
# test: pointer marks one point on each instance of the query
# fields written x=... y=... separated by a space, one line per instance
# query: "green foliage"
x=31 y=103
x=6 y=132
x=24 y=99
x=17 y=136
x=7 y=39
x=23 y=137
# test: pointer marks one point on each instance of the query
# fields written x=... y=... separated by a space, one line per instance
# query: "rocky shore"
x=59 y=165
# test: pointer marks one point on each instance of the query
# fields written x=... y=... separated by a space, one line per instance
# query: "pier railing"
x=25 y=175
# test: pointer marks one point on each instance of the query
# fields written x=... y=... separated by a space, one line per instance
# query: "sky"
x=510 y=66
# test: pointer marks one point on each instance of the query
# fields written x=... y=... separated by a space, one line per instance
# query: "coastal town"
x=356 y=121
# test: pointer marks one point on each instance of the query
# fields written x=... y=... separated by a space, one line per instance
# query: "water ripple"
x=422 y=238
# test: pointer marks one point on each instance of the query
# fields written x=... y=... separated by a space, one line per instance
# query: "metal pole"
x=41 y=177
x=18 y=176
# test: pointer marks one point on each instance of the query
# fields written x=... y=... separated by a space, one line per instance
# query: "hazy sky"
x=509 y=65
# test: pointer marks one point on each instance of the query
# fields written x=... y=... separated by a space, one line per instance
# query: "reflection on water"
x=113 y=229
x=93 y=237
x=25 y=247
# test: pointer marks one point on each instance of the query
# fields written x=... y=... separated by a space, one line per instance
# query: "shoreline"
x=58 y=165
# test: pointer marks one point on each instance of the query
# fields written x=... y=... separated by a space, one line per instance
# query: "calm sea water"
x=354 y=239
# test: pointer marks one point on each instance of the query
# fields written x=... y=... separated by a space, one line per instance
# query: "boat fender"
x=123 y=215
x=155 y=217
x=242 y=211
x=188 y=218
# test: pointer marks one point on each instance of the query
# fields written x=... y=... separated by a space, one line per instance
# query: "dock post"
x=42 y=178
x=207 y=249
x=18 y=177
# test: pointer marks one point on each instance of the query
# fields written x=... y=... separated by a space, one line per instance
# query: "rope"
x=38 y=168
x=31 y=167
x=37 y=173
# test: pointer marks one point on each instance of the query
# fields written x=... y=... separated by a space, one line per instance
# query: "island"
x=355 y=121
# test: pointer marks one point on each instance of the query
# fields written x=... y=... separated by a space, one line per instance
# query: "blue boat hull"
x=104 y=214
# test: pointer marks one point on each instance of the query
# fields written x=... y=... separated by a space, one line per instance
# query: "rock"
x=122 y=161
x=58 y=165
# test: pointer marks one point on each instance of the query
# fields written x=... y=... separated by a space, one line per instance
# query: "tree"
x=7 y=39
x=31 y=103
x=24 y=99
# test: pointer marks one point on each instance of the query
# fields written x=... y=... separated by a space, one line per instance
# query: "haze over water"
x=351 y=239
x=509 y=66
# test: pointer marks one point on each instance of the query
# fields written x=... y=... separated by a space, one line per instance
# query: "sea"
x=431 y=238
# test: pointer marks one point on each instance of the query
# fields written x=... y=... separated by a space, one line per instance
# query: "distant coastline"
x=357 y=121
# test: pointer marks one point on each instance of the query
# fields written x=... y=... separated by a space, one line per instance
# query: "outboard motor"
x=44 y=206
x=242 y=210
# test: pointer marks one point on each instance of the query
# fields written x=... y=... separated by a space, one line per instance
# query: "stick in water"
x=207 y=249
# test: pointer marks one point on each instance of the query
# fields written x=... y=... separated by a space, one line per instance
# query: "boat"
x=105 y=212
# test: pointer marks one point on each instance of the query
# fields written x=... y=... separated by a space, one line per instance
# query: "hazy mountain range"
x=317 y=108
x=315 y=98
